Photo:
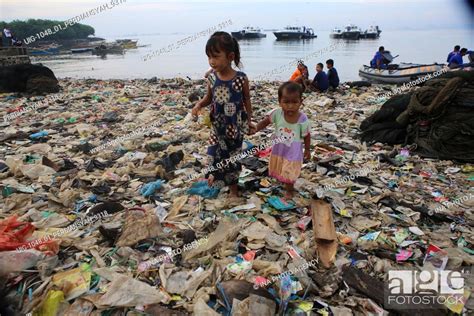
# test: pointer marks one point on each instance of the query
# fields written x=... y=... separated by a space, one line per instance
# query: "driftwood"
x=324 y=232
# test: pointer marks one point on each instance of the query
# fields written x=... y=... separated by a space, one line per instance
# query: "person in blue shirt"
x=333 y=77
x=456 y=60
x=377 y=61
x=456 y=50
x=320 y=82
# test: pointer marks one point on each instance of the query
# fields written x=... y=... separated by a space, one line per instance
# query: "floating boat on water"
x=351 y=32
x=127 y=43
x=43 y=51
x=110 y=48
x=295 y=32
x=371 y=33
x=81 y=50
x=336 y=33
x=404 y=72
x=249 y=32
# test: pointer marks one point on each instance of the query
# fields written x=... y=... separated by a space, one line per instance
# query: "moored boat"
x=295 y=32
x=336 y=33
x=44 y=51
x=249 y=32
x=351 y=32
x=109 y=48
x=371 y=33
x=404 y=72
x=127 y=43
x=81 y=50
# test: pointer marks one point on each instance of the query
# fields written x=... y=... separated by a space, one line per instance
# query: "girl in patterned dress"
x=228 y=94
x=293 y=126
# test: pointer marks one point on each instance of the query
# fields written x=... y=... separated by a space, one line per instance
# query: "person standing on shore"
x=228 y=93
x=294 y=128
x=7 y=35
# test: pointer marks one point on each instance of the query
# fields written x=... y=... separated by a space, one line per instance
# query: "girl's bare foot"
x=210 y=180
x=234 y=191
x=289 y=191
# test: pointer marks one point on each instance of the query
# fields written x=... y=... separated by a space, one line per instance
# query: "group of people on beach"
x=231 y=116
x=455 y=57
x=322 y=81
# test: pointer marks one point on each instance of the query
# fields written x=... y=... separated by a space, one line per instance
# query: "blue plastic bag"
x=150 y=188
x=203 y=189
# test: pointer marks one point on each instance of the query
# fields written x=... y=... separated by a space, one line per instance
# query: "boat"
x=371 y=33
x=351 y=32
x=336 y=33
x=295 y=32
x=401 y=73
x=127 y=43
x=44 y=50
x=81 y=50
x=249 y=32
x=108 y=48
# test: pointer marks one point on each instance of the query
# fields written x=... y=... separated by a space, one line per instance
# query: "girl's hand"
x=307 y=155
x=196 y=110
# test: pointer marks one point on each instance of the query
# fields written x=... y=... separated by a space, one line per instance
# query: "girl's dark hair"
x=223 y=41
x=291 y=87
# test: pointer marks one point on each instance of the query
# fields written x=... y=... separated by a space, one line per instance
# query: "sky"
x=141 y=17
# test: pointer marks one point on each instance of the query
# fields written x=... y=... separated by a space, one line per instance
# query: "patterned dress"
x=229 y=125
x=287 y=157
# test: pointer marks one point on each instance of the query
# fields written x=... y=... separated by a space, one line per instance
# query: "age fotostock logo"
x=426 y=289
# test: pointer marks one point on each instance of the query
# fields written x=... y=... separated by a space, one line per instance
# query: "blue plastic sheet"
x=203 y=189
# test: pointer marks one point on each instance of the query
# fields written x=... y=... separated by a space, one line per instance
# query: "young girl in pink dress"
x=293 y=126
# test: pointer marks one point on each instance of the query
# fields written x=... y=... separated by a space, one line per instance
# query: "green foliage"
x=24 y=29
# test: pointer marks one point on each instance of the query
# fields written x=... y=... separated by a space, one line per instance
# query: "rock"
x=28 y=78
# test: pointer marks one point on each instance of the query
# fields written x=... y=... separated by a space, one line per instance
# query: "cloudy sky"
x=169 y=16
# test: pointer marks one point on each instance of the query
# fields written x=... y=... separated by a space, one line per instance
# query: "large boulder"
x=28 y=78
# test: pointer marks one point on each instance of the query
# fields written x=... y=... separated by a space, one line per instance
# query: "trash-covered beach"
x=105 y=210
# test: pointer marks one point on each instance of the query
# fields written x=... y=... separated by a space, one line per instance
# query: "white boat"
x=295 y=32
x=249 y=32
x=404 y=72
x=371 y=32
x=336 y=33
x=351 y=32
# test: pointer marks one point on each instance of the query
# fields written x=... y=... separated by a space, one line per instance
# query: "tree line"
x=25 y=29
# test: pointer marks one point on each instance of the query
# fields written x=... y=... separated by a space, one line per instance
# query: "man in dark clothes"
x=333 y=77
x=320 y=81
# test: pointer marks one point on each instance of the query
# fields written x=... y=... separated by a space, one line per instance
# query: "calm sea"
x=259 y=56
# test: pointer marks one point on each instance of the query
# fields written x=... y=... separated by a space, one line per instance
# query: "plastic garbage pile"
x=105 y=210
